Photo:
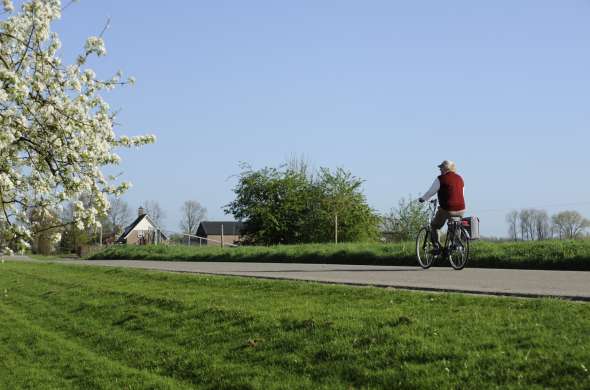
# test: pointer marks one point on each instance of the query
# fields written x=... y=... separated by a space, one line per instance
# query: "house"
x=213 y=231
x=142 y=231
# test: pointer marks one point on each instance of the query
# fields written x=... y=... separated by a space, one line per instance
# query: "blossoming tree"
x=56 y=132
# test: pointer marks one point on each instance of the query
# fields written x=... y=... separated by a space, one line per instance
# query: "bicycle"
x=455 y=249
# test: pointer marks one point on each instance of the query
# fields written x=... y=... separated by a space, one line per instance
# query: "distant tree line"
x=403 y=222
x=533 y=224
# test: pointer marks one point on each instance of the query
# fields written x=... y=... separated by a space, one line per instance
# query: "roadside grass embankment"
x=550 y=255
x=91 y=327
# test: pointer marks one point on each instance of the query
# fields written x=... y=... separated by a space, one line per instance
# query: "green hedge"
x=554 y=254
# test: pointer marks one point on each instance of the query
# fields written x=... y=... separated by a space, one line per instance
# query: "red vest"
x=450 y=194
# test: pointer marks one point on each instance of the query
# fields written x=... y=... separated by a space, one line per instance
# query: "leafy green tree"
x=273 y=204
x=343 y=206
x=287 y=206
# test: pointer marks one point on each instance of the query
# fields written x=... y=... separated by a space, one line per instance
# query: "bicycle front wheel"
x=459 y=251
x=424 y=248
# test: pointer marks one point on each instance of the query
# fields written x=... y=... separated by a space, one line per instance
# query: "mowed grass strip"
x=550 y=254
x=81 y=327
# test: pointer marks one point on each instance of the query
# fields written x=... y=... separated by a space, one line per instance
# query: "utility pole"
x=336 y=228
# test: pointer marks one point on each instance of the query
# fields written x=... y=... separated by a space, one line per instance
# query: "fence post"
x=222 y=235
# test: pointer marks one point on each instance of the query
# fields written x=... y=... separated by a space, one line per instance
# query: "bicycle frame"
x=431 y=211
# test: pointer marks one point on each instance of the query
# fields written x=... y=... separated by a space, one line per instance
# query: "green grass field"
x=91 y=327
x=554 y=254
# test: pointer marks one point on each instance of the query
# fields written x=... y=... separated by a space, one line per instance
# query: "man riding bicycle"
x=449 y=188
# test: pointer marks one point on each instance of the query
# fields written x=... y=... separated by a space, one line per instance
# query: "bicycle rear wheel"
x=459 y=251
x=424 y=248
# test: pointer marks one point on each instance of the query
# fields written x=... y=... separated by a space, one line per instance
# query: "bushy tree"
x=342 y=201
x=406 y=219
x=56 y=131
x=273 y=203
x=287 y=206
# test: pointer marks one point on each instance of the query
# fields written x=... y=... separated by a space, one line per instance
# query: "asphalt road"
x=532 y=283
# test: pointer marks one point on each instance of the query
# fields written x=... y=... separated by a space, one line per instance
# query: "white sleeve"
x=433 y=189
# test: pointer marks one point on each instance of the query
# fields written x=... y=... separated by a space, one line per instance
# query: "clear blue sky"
x=386 y=89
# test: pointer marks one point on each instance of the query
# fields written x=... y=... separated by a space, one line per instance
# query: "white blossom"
x=8 y=7
x=95 y=45
x=56 y=131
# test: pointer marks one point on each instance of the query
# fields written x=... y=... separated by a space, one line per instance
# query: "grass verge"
x=552 y=255
x=90 y=327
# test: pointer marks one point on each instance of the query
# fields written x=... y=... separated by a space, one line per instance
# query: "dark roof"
x=213 y=228
x=129 y=228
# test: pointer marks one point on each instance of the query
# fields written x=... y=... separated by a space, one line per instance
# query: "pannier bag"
x=471 y=224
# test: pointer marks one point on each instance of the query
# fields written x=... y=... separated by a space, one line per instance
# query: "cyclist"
x=449 y=188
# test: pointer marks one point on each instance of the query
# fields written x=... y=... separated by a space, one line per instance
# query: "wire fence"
x=195 y=240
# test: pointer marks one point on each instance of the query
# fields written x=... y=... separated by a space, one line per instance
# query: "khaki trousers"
x=439 y=220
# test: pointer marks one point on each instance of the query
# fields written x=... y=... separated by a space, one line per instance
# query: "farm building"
x=142 y=231
x=214 y=230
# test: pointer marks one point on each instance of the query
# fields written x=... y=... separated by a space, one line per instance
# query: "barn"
x=218 y=232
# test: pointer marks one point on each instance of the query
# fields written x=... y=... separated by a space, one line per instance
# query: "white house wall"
x=144 y=224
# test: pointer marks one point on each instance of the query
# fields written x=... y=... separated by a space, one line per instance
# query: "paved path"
x=564 y=284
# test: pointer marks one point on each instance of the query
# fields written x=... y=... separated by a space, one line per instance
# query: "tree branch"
x=27 y=47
